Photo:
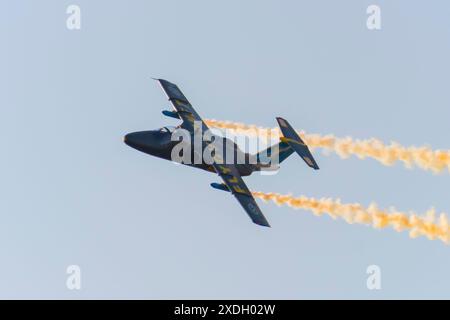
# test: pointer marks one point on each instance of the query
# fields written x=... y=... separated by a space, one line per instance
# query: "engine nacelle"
x=171 y=114
x=220 y=186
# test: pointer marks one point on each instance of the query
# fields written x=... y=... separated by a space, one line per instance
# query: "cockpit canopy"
x=169 y=129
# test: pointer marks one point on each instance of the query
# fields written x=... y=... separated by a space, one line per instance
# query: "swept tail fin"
x=291 y=138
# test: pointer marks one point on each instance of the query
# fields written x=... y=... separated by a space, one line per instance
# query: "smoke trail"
x=422 y=157
x=356 y=213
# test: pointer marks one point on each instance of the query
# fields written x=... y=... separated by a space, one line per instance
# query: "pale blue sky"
x=140 y=227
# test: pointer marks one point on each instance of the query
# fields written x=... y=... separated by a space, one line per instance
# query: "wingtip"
x=263 y=223
x=266 y=225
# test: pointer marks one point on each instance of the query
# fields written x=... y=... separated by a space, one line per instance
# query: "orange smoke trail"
x=422 y=157
x=356 y=213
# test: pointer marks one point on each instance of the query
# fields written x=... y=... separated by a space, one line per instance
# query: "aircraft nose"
x=132 y=139
x=142 y=140
x=127 y=138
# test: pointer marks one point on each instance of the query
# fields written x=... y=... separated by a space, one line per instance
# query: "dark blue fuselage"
x=159 y=143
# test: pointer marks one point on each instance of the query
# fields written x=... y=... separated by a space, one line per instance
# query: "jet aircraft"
x=159 y=143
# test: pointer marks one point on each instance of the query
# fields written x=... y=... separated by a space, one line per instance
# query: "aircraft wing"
x=228 y=172
x=238 y=188
x=182 y=105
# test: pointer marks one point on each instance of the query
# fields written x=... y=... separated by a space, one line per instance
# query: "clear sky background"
x=139 y=227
